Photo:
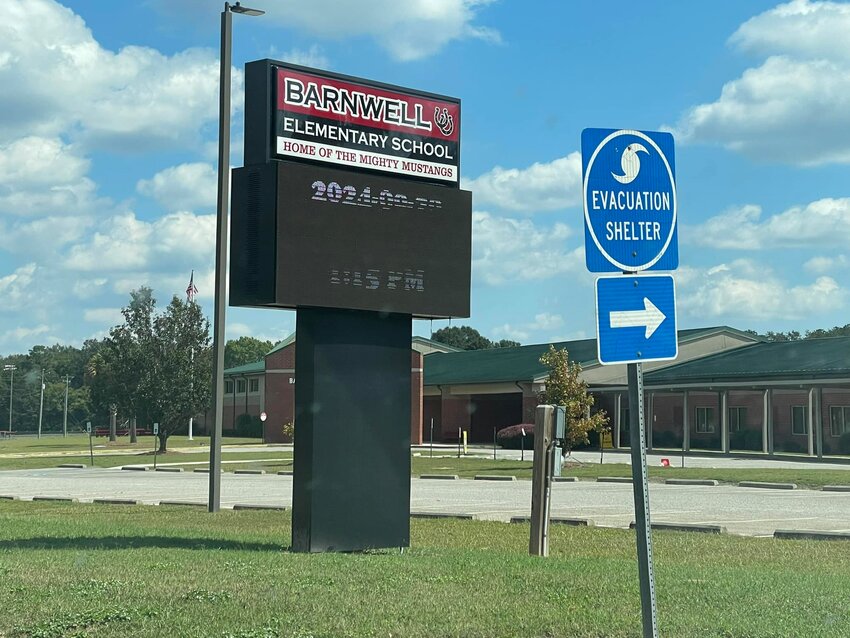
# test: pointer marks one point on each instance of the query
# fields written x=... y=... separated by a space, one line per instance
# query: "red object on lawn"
x=665 y=462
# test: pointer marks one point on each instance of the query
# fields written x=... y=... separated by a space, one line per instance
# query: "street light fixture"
x=221 y=246
x=10 y=368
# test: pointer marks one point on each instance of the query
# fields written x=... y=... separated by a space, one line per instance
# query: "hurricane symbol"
x=630 y=162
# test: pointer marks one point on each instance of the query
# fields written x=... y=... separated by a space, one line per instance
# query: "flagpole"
x=190 y=293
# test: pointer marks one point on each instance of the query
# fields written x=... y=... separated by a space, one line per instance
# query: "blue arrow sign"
x=636 y=319
x=630 y=203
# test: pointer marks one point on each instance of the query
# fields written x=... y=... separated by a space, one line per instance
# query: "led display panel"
x=310 y=235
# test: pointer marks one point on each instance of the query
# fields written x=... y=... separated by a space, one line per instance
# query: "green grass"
x=51 y=451
x=443 y=463
x=89 y=570
x=80 y=442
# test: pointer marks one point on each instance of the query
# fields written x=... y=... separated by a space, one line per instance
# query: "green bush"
x=844 y=443
x=248 y=425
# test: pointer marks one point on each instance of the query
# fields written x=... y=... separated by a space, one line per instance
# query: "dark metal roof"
x=828 y=357
x=256 y=367
x=522 y=363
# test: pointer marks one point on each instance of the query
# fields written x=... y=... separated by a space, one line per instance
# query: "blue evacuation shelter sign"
x=636 y=318
x=630 y=203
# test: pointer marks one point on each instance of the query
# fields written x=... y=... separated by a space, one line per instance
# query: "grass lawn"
x=51 y=451
x=45 y=455
x=92 y=570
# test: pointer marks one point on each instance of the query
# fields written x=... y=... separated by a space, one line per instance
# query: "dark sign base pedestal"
x=351 y=483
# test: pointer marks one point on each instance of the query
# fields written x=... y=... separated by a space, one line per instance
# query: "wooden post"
x=540 y=476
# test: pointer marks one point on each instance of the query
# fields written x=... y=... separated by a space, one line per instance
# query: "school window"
x=240 y=385
x=839 y=420
x=228 y=387
x=704 y=420
x=798 y=420
x=737 y=419
x=254 y=385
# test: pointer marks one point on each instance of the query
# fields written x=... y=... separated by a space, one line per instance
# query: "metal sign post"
x=630 y=213
x=155 y=446
x=643 y=526
x=91 y=450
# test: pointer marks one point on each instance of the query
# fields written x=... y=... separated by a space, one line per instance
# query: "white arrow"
x=651 y=318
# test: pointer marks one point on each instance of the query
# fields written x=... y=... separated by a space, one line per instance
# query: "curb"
x=463 y=517
x=135 y=468
x=770 y=486
x=558 y=520
x=251 y=506
x=58 y=499
x=836 y=488
x=792 y=534
x=613 y=479
x=76 y=466
x=115 y=501
x=565 y=479
x=493 y=477
x=201 y=471
x=681 y=481
x=285 y=473
x=169 y=469
x=249 y=471
x=447 y=477
x=182 y=503
x=8 y=497
x=686 y=527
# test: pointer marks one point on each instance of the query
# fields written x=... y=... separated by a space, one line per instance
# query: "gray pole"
x=220 y=258
x=10 y=368
x=643 y=526
x=41 y=403
x=65 y=414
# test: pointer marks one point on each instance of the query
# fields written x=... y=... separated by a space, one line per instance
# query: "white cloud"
x=822 y=222
x=820 y=265
x=16 y=289
x=20 y=333
x=111 y=316
x=126 y=243
x=541 y=186
x=409 y=30
x=42 y=237
x=522 y=333
x=746 y=290
x=88 y=288
x=795 y=106
x=182 y=187
x=807 y=29
x=133 y=99
x=505 y=249
x=43 y=175
x=312 y=57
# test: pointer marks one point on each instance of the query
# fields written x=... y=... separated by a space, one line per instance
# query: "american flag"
x=191 y=289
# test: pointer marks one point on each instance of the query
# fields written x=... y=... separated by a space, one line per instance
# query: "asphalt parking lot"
x=748 y=511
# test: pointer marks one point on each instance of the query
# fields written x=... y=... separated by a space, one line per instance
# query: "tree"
x=178 y=383
x=244 y=350
x=155 y=367
x=468 y=338
x=565 y=387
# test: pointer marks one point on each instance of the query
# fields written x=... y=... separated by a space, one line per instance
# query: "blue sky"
x=108 y=120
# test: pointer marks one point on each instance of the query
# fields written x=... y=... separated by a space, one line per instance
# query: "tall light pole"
x=221 y=246
x=10 y=368
x=65 y=414
x=41 y=404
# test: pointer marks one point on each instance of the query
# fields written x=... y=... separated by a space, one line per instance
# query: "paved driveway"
x=741 y=510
